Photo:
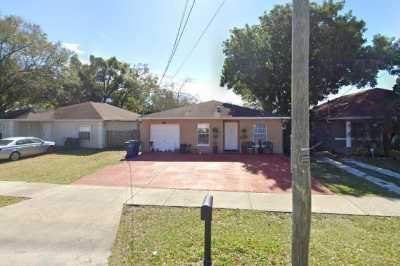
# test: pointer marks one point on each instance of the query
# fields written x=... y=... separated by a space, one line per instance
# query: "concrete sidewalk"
x=60 y=224
x=77 y=224
x=279 y=202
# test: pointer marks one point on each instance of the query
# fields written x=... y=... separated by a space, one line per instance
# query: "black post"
x=206 y=216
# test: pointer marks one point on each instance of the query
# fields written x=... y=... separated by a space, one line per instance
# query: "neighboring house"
x=209 y=124
x=363 y=119
x=98 y=125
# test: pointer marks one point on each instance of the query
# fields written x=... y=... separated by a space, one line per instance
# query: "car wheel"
x=15 y=156
x=50 y=149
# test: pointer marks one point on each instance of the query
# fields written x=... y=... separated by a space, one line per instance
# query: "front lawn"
x=8 y=200
x=174 y=236
x=341 y=182
x=62 y=167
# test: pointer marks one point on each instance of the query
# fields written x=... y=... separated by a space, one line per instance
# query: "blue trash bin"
x=132 y=149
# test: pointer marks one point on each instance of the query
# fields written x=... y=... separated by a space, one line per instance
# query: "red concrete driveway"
x=227 y=172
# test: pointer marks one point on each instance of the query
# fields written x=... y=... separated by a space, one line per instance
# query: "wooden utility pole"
x=300 y=157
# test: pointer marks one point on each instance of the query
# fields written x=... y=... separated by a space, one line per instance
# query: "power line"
x=199 y=39
x=179 y=35
x=186 y=22
x=180 y=26
x=175 y=41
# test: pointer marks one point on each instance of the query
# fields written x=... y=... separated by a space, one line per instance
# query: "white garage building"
x=97 y=125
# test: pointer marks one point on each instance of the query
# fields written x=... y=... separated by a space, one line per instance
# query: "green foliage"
x=360 y=151
x=243 y=135
x=396 y=87
x=36 y=72
x=257 y=62
x=394 y=154
x=29 y=63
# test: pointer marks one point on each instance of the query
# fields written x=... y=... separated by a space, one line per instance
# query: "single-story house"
x=97 y=125
x=363 y=119
x=205 y=125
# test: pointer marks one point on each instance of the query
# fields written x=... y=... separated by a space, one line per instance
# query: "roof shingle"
x=209 y=109
x=84 y=111
x=371 y=103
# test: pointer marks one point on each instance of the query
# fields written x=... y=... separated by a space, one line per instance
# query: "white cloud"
x=74 y=47
x=207 y=92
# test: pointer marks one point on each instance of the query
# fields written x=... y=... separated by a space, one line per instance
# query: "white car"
x=15 y=148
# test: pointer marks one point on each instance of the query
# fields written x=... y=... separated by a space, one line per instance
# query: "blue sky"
x=142 y=31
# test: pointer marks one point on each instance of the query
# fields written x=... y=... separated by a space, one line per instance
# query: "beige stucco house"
x=98 y=125
x=209 y=124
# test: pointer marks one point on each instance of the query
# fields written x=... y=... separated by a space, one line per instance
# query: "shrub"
x=360 y=151
x=394 y=154
x=379 y=152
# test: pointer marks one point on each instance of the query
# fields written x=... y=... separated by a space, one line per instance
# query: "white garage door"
x=165 y=137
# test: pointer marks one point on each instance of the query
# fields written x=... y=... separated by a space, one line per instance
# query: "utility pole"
x=300 y=157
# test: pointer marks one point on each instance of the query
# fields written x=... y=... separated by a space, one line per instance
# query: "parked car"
x=17 y=147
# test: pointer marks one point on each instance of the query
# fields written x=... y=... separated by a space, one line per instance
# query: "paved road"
x=59 y=225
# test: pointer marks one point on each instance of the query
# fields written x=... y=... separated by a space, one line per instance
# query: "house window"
x=259 y=133
x=84 y=133
x=203 y=134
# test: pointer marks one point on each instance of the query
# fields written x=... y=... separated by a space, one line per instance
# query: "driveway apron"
x=61 y=225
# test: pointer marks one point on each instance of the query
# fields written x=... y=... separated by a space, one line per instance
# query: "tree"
x=37 y=73
x=167 y=98
x=387 y=55
x=135 y=93
x=109 y=73
x=133 y=88
x=396 y=87
x=29 y=63
x=258 y=58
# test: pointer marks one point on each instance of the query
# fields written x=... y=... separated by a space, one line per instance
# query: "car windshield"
x=4 y=142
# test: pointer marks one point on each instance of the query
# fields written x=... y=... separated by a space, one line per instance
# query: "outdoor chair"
x=268 y=147
x=251 y=147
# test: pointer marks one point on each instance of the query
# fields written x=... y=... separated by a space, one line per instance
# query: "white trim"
x=218 y=118
x=266 y=131
x=197 y=134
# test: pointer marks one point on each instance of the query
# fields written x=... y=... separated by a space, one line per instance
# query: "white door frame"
x=227 y=147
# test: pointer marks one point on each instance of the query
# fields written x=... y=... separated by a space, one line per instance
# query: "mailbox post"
x=206 y=216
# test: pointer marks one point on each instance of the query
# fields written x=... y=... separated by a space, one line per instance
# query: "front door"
x=231 y=138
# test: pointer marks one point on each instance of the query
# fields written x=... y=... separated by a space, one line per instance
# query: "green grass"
x=174 y=236
x=8 y=200
x=341 y=182
x=62 y=167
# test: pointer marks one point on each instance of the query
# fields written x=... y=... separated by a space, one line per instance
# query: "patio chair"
x=251 y=147
x=268 y=147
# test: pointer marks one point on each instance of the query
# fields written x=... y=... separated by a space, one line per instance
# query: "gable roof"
x=83 y=111
x=210 y=109
x=373 y=103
